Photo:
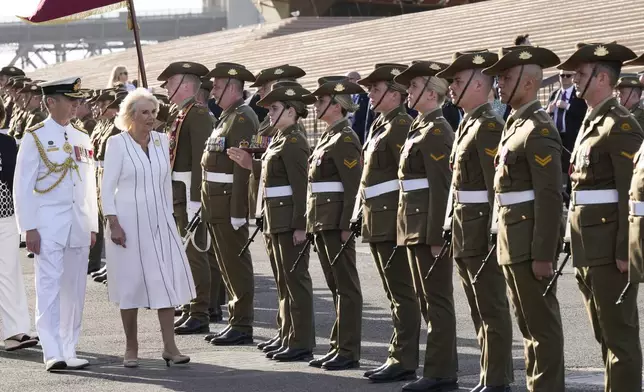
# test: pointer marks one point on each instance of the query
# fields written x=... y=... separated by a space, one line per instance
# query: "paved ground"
x=244 y=369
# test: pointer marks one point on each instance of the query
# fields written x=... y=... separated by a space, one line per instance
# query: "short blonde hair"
x=125 y=116
x=114 y=76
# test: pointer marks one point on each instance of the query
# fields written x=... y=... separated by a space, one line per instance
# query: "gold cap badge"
x=338 y=87
x=279 y=71
x=525 y=55
x=601 y=51
x=633 y=81
x=77 y=85
x=396 y=72
x=232 y=72
x=435 y=66
x=290 y=92
x=185 y=65
x=478 y=59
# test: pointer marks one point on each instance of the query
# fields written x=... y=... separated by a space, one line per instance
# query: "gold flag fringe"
x=81 y=15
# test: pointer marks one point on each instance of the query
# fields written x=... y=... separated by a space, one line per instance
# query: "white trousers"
x=13 y=299
x=60 y=296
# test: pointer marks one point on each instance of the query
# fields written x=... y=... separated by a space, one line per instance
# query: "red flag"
x=60 y=11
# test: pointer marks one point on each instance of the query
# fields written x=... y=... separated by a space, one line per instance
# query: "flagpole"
x=137 y=41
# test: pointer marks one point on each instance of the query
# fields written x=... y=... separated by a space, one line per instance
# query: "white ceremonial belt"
x=380 y=189
x=324 y=187
x=602 y=196
x=222 y=178
x=636 y=208
x=472 y=197
x=414 y=185
x=100 y=163
x=278 y=191
x=184 y=177
x=510 y=198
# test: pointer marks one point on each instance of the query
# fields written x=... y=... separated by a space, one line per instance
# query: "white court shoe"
x=55 y=364
x=76 y=363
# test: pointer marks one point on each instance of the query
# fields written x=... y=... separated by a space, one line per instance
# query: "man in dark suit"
x=568 y=112
x=361 y=120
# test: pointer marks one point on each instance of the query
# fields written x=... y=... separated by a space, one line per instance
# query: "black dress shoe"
x=376 y=370
x=178 y=311
x=340 y=362
x=23 y=244
x=232 y=337
x=192 y=326
x=273 y=346
x=270 y=354
x=500 y=388
x=392 y=373
x=272 y=340
x=432 y=385
x=293 y=354
x=478 y=388
x=211 y=336
x=99 y=272
x=318 y=362
x=181 y=320
x=215 y=315
x=100 y=278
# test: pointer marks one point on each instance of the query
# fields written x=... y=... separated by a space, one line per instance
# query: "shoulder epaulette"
x=541 y=116
x=36 y=127
x=80 y=129
x=620 y=111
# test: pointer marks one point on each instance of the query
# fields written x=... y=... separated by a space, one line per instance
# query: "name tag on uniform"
x=216 y=144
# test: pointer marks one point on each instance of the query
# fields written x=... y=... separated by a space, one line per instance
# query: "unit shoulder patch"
x=625 y=126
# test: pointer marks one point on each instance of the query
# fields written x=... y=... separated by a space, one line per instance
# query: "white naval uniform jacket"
x=68 y=213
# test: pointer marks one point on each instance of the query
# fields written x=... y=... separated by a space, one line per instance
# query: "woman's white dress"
x=152 y=271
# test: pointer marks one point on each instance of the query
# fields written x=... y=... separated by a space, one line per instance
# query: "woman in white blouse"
x=146 y=262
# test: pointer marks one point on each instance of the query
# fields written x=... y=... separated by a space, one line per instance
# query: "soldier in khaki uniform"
x=8 y=100
x=264 y=81
x=378 y=198
x=602 y=167
x=424 y=160
x=33 y=111
x=224 y=196
x=283 y=184
x=334 y=177
x=15 y=125
x=636 y=224
x=187 y=139
x=527 y=183
x=629 y=89
x=472 y=161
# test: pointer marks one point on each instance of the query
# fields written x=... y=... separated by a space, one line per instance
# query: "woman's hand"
x=118 y=235
x=299 y=237
x=240 y=157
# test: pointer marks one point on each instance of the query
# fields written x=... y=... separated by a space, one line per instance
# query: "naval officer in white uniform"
x=56 y=206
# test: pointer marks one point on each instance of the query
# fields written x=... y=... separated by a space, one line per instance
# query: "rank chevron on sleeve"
x=350 y=163
x=543 y=161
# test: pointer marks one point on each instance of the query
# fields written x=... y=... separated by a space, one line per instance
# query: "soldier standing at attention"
x=472 y=161
x=334 y=177
x=283 y=184
x=424 y=160
x=264 y=81
x=7 y=99
x=34 y=114
x=629 y=90
x=224 y=195
x=187 y=139
x=378 y=198
x=527 y=183
x=602 y=167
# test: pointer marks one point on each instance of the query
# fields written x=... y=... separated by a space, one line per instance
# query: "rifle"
x=259 y=222
x=356 y=230
x=447 y=236
x=486 y=259
x=191 y=229
x=559 y=272
x=624 y=294
x=391 y=258
x=307 y=245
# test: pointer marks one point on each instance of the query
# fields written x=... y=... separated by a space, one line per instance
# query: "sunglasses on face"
x=123 y=73
x=565 y=76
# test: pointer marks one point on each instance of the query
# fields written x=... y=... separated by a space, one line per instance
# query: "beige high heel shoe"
x=178 y=359
x=130 y=363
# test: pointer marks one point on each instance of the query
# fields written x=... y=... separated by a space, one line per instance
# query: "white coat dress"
x=152 y=271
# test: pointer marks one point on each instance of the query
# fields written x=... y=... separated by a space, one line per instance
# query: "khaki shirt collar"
x=338 y=126
x=601 y=108
x=477 y=112
x=232 y=107
x=185 y=103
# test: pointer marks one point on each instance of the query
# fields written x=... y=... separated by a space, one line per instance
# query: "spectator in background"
x=259 y=111
x=360 y=120
x=494 y=99
x=119 y=77
x=452 y=113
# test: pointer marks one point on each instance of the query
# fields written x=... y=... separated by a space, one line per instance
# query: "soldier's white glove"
x=237 y=222
x=193 y=207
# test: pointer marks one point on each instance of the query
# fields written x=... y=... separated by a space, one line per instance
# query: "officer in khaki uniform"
x=8 y=100
x=378 y=198
x=224 y=196
x=602 y=167
x=187 y=138
x=264 y=81
x=283 y=185
x=527 y=183
x=424 y=160
x=15 y=125
x=472 y=162
x=629 y=89
x=33 y=113
x=334 y=176
x=636 y=223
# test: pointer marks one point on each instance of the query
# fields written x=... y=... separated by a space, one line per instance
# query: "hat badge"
x=290 y=92
x=12 y=69
x=633 y=81
x=279 y=71
x=396 y=72
x=186 y=65
x=525 y=55
x=77 y=85
x=434 y=66
x=601 y=51
x=232 y=72
x=338 y=87
x=478 y=59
